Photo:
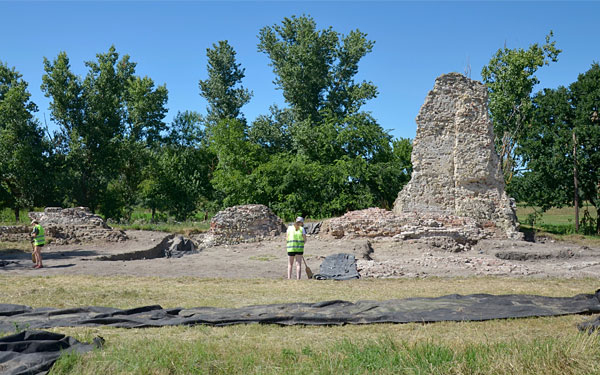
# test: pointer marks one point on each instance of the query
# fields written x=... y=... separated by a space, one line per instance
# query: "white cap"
x=299 y=219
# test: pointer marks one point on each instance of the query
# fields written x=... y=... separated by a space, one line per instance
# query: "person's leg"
x=298 y=266
x=290 y=264
x=38 y=256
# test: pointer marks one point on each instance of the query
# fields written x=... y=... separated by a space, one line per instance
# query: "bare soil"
x=267 y=259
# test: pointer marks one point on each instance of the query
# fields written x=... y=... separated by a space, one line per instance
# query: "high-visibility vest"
x=40 y=239
x=295 y=240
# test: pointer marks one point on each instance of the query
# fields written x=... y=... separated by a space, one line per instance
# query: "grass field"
x=514 y=346
x=559 y=220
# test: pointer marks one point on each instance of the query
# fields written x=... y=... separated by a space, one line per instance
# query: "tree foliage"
x=561 y=150
x=510 y=78
x=222 y=89
x=107 y=120
x=22 y=145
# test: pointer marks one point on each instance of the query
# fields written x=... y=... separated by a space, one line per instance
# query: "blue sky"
x=414 y=43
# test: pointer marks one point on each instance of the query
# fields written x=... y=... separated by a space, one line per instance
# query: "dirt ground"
x=267 y=259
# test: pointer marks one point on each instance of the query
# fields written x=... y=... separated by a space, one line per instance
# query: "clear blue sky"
x=414 y=43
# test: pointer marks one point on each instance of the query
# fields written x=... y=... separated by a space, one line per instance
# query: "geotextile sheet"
x=338 y=267
x=455 y=307
x=34 y=352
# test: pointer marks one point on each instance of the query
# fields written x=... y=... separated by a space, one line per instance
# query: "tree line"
x=549 y=141
x=320 y=156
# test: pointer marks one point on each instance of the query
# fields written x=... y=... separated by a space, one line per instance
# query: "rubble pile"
x=431 y=265
x=246 y=223
x=75 y=225
x=447 y=232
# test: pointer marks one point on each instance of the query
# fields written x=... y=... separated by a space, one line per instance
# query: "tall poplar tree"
x=22 y=146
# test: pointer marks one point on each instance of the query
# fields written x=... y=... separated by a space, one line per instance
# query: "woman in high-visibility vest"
x=296 y=238
x=39 y=239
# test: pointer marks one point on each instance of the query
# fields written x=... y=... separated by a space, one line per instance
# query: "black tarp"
x=34 y=352
x=590 y=326
x=338 y=267
x=474 y=307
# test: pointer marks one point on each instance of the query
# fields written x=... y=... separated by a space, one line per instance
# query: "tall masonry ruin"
x=456 y=170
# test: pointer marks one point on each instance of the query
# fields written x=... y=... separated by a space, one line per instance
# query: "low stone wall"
x=448 y=232
x=14 y=233
x=75 y=225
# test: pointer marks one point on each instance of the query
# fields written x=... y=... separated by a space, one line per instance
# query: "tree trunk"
x=576 y=187
x=17 y=210
x=153 y=213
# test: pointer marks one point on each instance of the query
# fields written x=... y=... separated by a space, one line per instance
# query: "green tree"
x=510 y=78
x=107 y=121
x=22 y=145
x=316 y=68
x=324 y=154
x=561 y=151
x=177 y=177
x=585 y=99
x=186 y=130
x=222 y=89
x=547 y=153
x=237 y=158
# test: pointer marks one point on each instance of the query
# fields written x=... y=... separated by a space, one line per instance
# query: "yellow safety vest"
x=40 y=239
x=295 y=240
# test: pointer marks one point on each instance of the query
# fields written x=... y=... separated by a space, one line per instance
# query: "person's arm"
x=304 y=234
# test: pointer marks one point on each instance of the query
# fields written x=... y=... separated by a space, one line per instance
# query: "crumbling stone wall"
x=456 y=170
x=74 y=225
x=246 y=223
x=440 y=230
x=14 y=233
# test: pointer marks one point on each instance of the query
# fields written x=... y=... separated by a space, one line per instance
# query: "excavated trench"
x=172 y=246
x=524 y=255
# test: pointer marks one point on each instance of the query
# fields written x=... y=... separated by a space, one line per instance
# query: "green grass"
x=7 y=217
x=548 y=345
x=557 y=221
x=185 y=228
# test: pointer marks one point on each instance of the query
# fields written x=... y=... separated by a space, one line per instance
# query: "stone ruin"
x=448 y=232
x=456 y=170
x=246 y=223
x=456 y=193
x=75 y=225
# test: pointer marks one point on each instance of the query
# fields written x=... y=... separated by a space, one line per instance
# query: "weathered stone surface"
x=74 y=225
x=456 y=170
x=246 y=223
x=440 y=230
x=14 y=233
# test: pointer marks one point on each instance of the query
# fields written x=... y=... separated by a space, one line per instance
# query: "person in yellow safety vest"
x=39 y=239
x=296 y=238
